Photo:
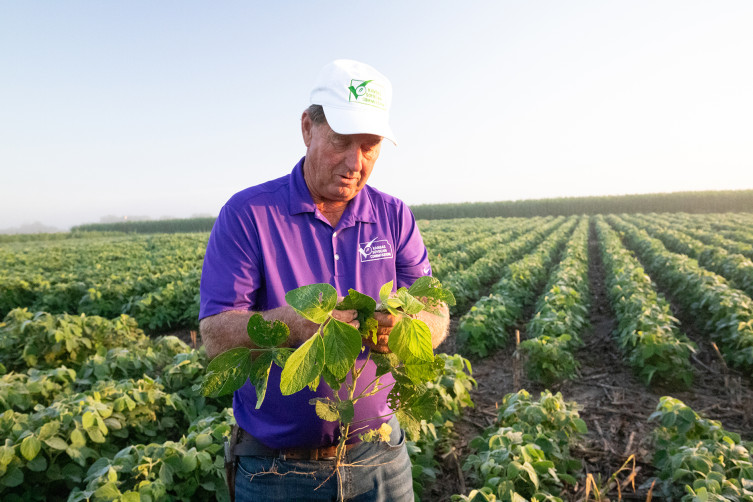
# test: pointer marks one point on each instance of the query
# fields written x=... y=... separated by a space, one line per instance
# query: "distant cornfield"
x=151 y=227
x=687 y=202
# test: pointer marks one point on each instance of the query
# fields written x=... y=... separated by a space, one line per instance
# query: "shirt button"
x=337 y=257
x=334 y=234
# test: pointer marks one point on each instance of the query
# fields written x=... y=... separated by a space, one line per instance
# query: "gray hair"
x=316 y=114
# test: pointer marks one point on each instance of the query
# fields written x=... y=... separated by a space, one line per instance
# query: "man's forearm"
x=227 y=330
x=439 y=324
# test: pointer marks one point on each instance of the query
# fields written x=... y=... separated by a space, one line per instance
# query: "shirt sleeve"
x=230 y=276
x=412 y=259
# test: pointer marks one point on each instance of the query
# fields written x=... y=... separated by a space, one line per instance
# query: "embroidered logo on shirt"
x=375 y=249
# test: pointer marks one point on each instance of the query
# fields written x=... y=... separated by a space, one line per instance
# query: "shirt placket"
x=336 y=266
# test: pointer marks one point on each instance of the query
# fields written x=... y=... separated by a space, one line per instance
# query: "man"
x=319 y=224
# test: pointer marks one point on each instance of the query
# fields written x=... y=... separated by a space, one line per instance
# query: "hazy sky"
x=167 y=108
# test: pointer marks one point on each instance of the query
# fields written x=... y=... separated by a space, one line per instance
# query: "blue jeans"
x=374 y=472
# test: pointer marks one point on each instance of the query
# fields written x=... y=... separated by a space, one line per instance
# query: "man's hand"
x=347 y=316
x=386 y=322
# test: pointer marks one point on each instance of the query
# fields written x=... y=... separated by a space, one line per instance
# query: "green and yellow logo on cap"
x=362 y=92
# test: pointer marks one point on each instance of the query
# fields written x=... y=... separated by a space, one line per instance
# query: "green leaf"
x=303 y=366
x=13 y=477
x=188 y=461
x=227 y=372
x=259 y=375
x=385 y=292
x=56 y=443
x=410 y=304
x=422 y=372
x=314 y=302
x=77 y=438
x=132 y=497
x=342 y=344
x=30 y=447
x=87 y=419
x=423 y=406
x=330 y=379
x=347 y=411
x=365 y=305
x=48 y=430
x=39 y=464
x=430 y=287
x=358 y=301
x=408 y=422
x=108 y=491
x=384 y=362
x=203 y=441
x=266 y=334
x=326 y=409
x=410 y=339
x=314 y=384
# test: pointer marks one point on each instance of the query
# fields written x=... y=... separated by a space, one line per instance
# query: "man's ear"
x=306 y=128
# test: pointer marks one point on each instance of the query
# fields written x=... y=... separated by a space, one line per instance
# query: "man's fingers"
x=347 y=316
x=385 y=319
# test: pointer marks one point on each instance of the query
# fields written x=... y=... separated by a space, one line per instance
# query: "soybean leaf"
x=342 y=344
x=56 y=443
x=365 y=305
x=314 y=384
x=227 y=372
x=266 y=334
x=429 y=287
x=410 y=305
x=330 y=379
x=326 y=409
x=259 y=375
x=358 y=301
x=30 y=447
x=410 y=339
x=385 y=292
x=384 y=362
x=423 y=406
x=421 y=372
x=303 y=366
x=314 y=302
x=369 y=328
x=346 y=410
x=408 y=422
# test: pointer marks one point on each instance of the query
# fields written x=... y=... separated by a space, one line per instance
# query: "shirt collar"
x=360 y=208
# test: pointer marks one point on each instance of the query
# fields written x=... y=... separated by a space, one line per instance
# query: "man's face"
x=337 y=166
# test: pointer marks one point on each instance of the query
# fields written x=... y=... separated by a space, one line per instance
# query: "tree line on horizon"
x=720 y=201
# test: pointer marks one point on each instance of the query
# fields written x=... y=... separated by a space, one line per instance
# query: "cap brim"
x=358 y=122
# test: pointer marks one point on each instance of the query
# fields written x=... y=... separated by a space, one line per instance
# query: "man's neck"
x=332 y=211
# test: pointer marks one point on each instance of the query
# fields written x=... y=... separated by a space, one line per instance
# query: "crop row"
x=724 y=233
x=561 y=315
x=155 y=279
x=485 y=326
x=459 y=249
x=726 y=313
x=736 y=268
x=526 y=455
x=646 y=330
x=467 y=284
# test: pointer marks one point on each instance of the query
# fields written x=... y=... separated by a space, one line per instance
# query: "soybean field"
x=590 y=358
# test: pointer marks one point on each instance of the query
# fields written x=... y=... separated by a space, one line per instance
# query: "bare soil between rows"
x=614 y=404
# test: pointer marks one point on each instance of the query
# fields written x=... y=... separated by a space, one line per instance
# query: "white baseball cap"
x=356 y=98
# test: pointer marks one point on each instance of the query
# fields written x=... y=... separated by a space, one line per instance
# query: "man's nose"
x=354 y=158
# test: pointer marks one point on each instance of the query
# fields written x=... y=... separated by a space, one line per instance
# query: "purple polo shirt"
x=271 y=238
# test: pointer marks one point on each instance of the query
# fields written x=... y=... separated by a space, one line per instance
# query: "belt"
x=247 y=445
